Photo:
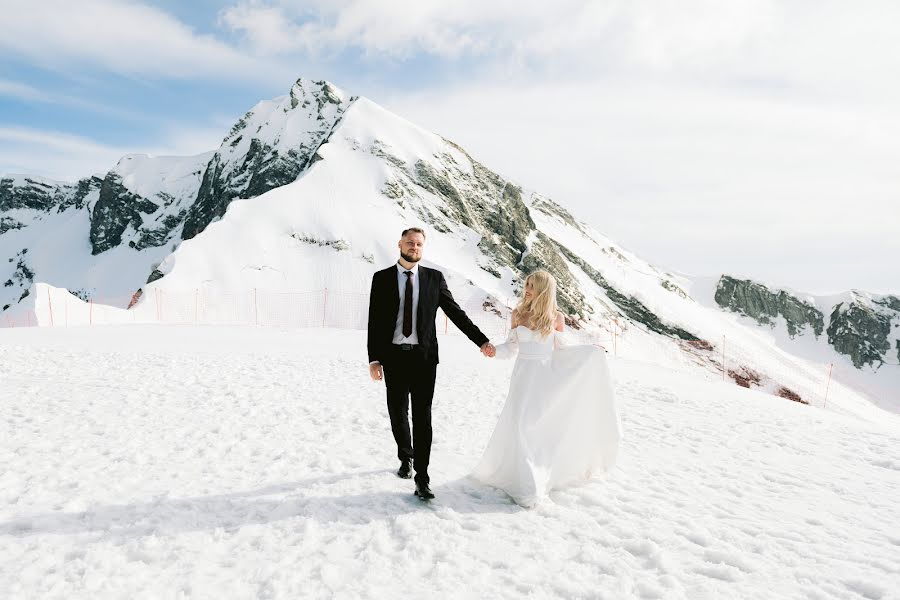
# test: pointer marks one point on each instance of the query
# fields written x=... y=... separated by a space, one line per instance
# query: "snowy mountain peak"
x=266 y=148
x=304 y=92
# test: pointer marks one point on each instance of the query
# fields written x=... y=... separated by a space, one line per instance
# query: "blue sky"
x=753 y=137
x=150 y=108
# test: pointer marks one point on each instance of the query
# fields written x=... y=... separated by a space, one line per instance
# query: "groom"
x=403 y=348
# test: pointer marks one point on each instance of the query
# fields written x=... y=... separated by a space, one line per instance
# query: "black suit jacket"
x=384 y=304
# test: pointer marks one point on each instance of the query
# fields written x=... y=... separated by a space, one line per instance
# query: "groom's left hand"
x=488 y=350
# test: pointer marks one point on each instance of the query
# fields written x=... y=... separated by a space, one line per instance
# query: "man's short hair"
x=413 y=230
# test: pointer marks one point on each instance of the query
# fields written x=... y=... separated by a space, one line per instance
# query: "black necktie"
x=407 y=306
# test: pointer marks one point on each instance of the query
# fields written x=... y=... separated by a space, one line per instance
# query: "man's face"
x=411 y=246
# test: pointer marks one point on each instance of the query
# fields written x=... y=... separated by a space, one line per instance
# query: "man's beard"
x=409 y=258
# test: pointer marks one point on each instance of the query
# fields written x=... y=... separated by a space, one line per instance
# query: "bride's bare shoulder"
x=560 y=321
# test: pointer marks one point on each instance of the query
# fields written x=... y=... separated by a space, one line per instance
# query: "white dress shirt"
x=413 y=338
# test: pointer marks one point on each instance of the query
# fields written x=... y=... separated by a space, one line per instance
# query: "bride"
x=559 y=424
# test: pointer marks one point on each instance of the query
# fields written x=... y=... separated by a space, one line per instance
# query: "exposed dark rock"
x=23 y=276
x=116 y=210
x=81 y=294
x=859 y=332
x=439 y=185
x=630 y=306
x=493 y=207
x=790 y=395
x=154 y=275
x=8 y=224
x=239 y=126
x=891 y=302
x=549 y=207
x=745 y=376
x=699 y=344
x=23 y=273
x=674 y=288
x=167 y=199
x=612 y=250
x=159 y=235
x=761 y=304
x=393 y=190
x=78 y=197
x=264 y=167
x=380 y=150
x=338 y=245
x=33 y=194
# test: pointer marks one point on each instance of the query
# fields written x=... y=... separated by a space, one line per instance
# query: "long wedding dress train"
x=559 y=424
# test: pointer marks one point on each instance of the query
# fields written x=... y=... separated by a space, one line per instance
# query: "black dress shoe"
x=423 y=491
x=405 y=471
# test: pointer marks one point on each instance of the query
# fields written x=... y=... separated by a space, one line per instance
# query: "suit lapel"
x=391 y=278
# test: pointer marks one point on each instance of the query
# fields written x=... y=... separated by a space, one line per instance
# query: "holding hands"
x=376 y=371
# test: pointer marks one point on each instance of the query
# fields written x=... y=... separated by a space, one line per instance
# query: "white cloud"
x=66 y=157
x=22 y=91
x=814 y=47
x=127 y=38
x=54 y=154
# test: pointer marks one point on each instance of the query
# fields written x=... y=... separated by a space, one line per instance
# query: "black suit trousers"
x=409 y=379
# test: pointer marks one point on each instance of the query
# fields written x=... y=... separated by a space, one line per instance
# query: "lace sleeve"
x=510 y=347
x=563 y=339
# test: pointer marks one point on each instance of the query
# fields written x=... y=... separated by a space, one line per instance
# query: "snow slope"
x=248 y=462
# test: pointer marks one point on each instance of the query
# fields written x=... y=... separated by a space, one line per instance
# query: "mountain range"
x=310 y=190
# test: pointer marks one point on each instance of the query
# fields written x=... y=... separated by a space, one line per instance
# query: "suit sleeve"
x=371 y=343
x=457 y=315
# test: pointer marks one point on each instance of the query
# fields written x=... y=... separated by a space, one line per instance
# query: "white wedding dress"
x=559 y=425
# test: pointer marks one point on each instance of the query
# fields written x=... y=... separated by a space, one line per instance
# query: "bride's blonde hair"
x=539 y=310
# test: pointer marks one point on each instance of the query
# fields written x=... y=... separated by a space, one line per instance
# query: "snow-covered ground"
x=154 y=461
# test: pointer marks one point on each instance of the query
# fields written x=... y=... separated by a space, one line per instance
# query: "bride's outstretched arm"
x=559 y=341
x=510 y=347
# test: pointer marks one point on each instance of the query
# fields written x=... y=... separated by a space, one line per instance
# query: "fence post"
x=324 y=307
x=196 y=303
x=828 y=384
x=255 y=308
x=50 y=304
x=723 y=357
x=446 y=323
x=156 y=297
